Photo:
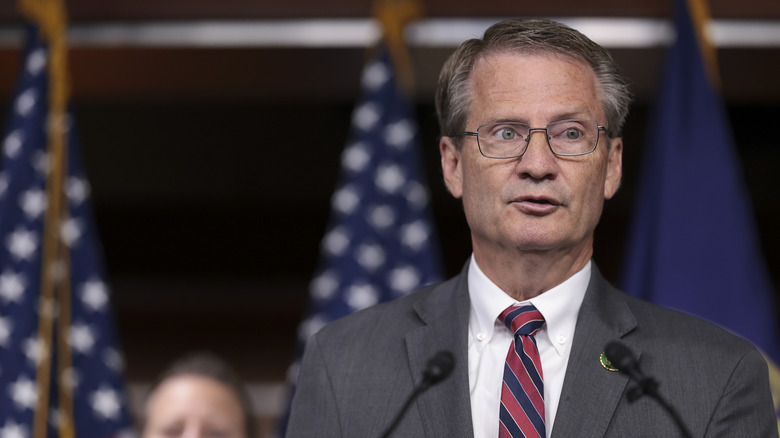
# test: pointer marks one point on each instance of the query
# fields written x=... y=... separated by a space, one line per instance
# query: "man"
x=198 y=396
x=531 y=117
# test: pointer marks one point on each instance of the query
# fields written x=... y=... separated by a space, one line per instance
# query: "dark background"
x=211 y=221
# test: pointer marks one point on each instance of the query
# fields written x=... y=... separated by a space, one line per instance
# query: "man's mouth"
x=538 y=200
x=536 y=205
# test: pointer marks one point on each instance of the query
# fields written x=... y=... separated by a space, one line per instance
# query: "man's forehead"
x=517 y=77
x=498 y=58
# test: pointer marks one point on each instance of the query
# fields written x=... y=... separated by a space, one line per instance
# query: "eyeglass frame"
x=528 y=138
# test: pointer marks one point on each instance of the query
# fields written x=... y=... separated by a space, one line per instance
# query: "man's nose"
x=538 y=161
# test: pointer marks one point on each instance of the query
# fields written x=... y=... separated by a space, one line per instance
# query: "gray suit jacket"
x=357 y=372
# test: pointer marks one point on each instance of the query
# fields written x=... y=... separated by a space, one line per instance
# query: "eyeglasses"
x=566 y=138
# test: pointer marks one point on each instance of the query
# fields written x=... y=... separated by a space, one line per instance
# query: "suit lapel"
x=590 y=392
x=445 y=409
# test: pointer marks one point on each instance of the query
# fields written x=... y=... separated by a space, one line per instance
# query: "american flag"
x=81 y=348
x=380 y=243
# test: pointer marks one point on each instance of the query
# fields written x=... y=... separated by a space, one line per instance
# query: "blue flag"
x=81 y=346
x=694 y=245
x=380 y=243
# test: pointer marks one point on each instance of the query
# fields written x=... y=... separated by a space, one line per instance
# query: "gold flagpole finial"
x=393 y=16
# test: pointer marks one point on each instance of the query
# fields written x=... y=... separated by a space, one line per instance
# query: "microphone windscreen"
x=439 y=366
x=620 y=356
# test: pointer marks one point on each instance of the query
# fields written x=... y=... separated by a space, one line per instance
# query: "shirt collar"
x=559 y=305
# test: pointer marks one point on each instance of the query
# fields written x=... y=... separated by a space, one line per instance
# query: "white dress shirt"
x=489 y=342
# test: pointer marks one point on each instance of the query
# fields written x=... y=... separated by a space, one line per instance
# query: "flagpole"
x=54 y=303
x=701 y=17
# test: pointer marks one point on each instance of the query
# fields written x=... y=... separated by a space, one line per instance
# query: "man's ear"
x=451 y=167
x=614 y=168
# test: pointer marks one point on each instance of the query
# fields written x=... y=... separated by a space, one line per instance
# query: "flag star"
x=381 y=216
x=64 y=122
x=41 y=162
x=356 y=157
x=414 y=235
x=366 y=116
x=375 y=75
x=22 y=244
x=56 y=419
x=82 y=338
x=35 y=349
x=24 y=393
x=13 y=430
x=70 y=378
x=404 y=279
x=126 y=433
x=324 y=286
x=311 y=326
x=105 y=401
x=94 y=295
x=3 y=183
x=361 y=296
x=370 y=256
x=36 y=62
x=346 y=199
x=390 y=178
x=113 y=359
x=336 y=241
x=416 y=194
x=33 y=202
x=12 y=144
x=6 y=326
x=26 y=101
x=48 y=307
x=71 y=231
x=58 y=269
x=399 y=134
x=77 y=190
x=12 y=286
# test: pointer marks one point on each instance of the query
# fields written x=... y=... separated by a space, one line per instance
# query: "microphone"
x=438 y=368
x=624 y=360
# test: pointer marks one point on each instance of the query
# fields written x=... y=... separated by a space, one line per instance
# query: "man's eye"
x=572 y=134
x=507 y=134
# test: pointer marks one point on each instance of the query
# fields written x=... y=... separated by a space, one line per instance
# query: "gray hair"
x=453 y=94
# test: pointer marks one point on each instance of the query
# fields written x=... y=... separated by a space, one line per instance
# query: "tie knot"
x=522 y=320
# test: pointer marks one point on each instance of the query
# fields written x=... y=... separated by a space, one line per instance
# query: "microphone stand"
x=438 y=368
x=620 y=356
x=417 y=391
x=649 y=386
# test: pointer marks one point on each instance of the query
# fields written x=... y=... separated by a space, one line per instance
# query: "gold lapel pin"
x=606 y=363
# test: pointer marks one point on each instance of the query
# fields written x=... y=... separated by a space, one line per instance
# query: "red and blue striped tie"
x=522 y=394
